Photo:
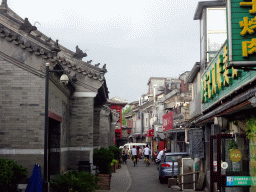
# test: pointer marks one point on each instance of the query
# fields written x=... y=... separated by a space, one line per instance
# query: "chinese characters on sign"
x=248 y=25
x=218 y=76
x=238 y=181
x=168 y=121
x=235 y=155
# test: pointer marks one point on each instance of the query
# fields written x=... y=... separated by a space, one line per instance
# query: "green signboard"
x=241 y=30
x=238 y=180
x=220 y=79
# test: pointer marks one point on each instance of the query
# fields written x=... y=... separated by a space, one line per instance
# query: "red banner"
x=168 y=121
x=150 y=133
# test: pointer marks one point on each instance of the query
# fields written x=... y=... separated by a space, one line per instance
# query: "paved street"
x=145 y=178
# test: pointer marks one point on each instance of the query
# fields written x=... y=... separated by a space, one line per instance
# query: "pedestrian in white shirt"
x=160 y=154
x=134 y=153
x=146 y=152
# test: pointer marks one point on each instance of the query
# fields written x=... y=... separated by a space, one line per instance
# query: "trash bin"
x=84 y=166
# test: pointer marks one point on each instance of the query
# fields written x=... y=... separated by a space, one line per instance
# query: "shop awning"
x=150 y=133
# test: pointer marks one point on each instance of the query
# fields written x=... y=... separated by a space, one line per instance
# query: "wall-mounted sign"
x=220 y=78
x=235 y=155
x=241 y=30
x=238 y=180
x=168 y=121
x=224 y=165
x=150 y=133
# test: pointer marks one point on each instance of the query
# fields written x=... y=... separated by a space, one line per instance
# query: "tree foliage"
x=125 y=111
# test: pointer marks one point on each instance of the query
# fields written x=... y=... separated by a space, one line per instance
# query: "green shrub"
x=75 y=181
x=116 y=151
x=10 y=175
x=102 y=158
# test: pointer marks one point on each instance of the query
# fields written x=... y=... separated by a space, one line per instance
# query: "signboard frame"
x=168 y=121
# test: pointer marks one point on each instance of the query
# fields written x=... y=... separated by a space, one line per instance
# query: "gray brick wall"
x=22 y=108
x=22 y=103
x=81 y=122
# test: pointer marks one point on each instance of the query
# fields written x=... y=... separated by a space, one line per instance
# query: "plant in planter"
x=102 y=158
x=251 y=127
x=75 y=181
x=113 y=165
x=116 y=151
x=232 y=145
x=11 y=174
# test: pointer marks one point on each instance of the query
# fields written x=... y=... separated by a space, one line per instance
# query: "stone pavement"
x=120 y=180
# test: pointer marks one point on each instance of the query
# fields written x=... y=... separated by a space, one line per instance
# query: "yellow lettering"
x=248 y=26
x=205 y=88
x=219 y=66
x=225 y=54
x=249 y=44
x=209 y=84
x=252 y=3
x=227 y=75
x=236 y=73
x=214 y=83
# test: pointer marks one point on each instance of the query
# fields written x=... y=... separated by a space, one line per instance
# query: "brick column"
x=81 y=128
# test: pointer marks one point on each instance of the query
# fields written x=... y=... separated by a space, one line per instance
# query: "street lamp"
x=64 y=80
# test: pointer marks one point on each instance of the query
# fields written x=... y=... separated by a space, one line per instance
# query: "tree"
x=125 y=111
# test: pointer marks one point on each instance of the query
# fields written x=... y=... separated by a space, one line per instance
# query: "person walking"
x=138 y=152
x=124 y=153
x=134 y=153
x=160 y=157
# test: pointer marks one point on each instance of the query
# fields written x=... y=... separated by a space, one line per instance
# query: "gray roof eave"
x=193 y=73
x=202 y=4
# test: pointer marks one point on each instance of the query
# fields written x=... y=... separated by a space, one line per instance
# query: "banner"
x=168 y=121
x=150 y=133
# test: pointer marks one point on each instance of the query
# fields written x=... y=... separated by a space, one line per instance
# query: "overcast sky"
x=137 y=39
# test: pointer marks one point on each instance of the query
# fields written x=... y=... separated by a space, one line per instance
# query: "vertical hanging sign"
x=168 y=121
x=242 y=31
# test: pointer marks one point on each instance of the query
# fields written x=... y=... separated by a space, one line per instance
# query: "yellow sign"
x=235 y=155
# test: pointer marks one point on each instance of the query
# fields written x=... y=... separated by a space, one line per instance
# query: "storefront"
x=228 y=105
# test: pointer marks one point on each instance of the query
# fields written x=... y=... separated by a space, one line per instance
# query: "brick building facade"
x=78 y=120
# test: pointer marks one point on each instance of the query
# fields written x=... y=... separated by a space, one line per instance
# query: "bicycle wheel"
x=134 y=162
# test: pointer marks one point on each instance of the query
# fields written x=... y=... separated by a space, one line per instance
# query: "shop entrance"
x=229 y=163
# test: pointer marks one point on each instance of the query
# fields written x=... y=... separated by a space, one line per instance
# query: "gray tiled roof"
x=37 y=43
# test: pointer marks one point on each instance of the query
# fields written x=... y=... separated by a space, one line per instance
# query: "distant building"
x=118 y=104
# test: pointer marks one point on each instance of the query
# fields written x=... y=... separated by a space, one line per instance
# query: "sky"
x=137 y=39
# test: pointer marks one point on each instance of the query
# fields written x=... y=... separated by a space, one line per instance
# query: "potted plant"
x=232 y=145
x=102 y=158
x=113 y=165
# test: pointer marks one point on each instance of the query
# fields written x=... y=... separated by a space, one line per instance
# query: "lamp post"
x=64 y=80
